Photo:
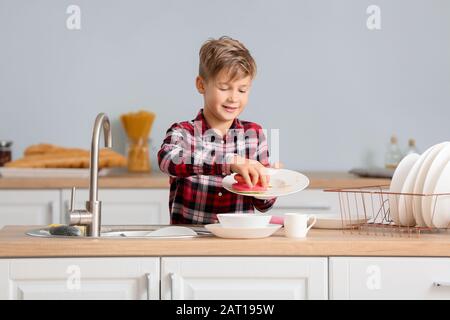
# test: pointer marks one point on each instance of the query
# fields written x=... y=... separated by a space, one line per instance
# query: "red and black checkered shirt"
x=195 y=157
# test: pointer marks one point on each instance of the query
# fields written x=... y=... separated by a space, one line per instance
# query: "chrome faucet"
x=91 y=216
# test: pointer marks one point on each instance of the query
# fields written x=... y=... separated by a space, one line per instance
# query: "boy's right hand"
x=251 y=170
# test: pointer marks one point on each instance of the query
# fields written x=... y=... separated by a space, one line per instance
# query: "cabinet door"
x=311 y=201
x=29 y=207
x=126 y=206
x=256 y=278
x=79 y=278
x=389 y=278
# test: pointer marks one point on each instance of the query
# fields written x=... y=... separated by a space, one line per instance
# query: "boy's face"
x=225 y=99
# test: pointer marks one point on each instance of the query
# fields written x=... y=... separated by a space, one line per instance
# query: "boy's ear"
x=200 y=84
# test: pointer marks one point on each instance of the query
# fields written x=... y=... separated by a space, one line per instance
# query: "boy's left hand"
x=251 y=170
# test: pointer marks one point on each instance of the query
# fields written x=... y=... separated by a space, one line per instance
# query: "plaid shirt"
x=195 y=157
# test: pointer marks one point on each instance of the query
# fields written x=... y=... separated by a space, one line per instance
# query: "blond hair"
x=225 y=54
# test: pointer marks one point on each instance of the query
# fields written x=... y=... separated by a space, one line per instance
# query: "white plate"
x=429 y=185
x=47 y=172
x=405 y=209
x=398 y=179
x=334 y=221
x=242 y=233
x=283 y=182
x=441 y=217
x=420 y=180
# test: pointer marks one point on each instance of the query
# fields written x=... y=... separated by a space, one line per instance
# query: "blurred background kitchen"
x=336 y=90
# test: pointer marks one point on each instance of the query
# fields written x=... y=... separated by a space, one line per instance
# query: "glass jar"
x=138 y=155
x=393 y=154
x=5 y=152
x=412 y=148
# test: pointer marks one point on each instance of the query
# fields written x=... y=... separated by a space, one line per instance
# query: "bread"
x=45 y=148
x=51 y=156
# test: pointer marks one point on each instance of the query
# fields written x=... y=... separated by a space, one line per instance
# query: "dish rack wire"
x=367 y=210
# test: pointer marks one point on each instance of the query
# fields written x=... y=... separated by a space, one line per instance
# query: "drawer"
x=389 y=278
x=244 y=278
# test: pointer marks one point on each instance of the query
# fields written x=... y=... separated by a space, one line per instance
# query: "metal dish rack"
x=372 y=205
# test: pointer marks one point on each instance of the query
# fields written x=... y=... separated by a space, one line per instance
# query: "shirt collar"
x=237 y=124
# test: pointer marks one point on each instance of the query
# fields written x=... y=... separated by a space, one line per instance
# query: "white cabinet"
x=126 y=206
x=226 y=278
x=80 y=278
x=311 y=201
x=389 y=278
x=223 y=278
x=30 y=207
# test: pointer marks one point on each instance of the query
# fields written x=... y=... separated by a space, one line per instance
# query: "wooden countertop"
x=318 y=180
x=117 y=180
x=15 y=243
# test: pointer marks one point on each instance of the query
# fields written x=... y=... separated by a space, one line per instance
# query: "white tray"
x=334 y=221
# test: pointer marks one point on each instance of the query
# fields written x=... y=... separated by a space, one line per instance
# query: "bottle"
x=393 y=154
x=412 y=147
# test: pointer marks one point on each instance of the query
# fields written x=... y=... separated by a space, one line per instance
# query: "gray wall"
x=335 y=89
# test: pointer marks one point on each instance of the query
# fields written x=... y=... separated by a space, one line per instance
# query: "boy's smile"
x=224 y=99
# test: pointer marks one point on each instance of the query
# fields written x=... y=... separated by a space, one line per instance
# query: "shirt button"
x=222 y=142
x=224 y=173
x=220 y=194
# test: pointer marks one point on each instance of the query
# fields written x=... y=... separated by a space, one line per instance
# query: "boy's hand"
x=251 y=170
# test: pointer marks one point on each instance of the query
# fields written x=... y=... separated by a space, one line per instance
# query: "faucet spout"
x=91 y=216
x=102 y=121
x=93 y=205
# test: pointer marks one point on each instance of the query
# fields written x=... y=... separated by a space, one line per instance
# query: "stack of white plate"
x=428 y=173
x=243 y=226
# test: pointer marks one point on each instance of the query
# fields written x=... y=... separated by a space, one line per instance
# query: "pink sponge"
x=242 y=187
x=277 y=220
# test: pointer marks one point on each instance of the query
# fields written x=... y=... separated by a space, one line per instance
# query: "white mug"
x=296 y=224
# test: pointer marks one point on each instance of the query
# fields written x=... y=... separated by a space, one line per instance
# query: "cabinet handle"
x=72 y=200
x=173 y=286
x=149 y=285
x=441 y=284
x=55 y=215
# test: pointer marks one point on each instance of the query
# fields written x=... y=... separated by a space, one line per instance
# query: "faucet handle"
x=72 y=200
x=77 y=216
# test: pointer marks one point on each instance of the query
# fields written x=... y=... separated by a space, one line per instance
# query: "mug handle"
x=310 y=226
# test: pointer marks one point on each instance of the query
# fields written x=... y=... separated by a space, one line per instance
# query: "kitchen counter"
x=14 y=243
x=318 y=180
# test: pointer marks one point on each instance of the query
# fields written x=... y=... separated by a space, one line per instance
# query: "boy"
x=197 y=154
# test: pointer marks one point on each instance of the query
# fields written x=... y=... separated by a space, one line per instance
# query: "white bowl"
x=243 y=220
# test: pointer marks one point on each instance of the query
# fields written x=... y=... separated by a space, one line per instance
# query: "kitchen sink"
x=133 y=232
